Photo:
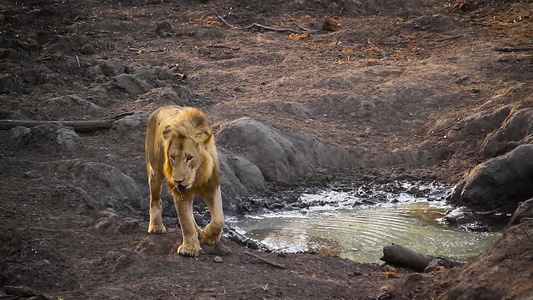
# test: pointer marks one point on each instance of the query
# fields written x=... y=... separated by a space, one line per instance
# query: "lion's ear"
x=167 y=134
x=204 y=136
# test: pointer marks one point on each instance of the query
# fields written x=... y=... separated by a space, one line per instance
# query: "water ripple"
x=361 y=233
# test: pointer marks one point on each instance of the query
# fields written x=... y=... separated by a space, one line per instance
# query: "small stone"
x=218 y=259
x=217 y=249
x=330 y=24
x=21 y=291
x=107 y=221
x=88 y=49
x=128 y=225
x=33 y=174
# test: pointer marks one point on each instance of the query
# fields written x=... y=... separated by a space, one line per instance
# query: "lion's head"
x=190 y=155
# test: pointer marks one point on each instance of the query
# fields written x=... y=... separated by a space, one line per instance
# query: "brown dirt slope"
x=390 y=85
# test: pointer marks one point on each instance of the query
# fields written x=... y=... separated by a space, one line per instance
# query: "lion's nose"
x=178 y=182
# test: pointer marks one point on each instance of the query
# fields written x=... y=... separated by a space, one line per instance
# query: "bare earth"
x=396 y=78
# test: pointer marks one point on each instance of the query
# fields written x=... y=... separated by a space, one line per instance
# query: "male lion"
x=181 y=148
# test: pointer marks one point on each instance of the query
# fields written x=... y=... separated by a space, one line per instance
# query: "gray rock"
x=162 y=96
x=128 y=225
x=51 y=138
x=481 y=123
x=33 y=174
x=523 y=213
x=58 y=107
x=21 y=291
x=247 y=173
x=107 y=221
x=127 y=123
x=18 y=132
x=112 y=67
x=11 y=84
x=129 y=129
x=75 y=198
x=517 y=129
x=231 y=187
x=281 y=156
x=104 y=182
x=499 y=183
x=134 y=84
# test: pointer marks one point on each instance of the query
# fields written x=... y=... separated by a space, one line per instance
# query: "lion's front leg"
x=213 y=231
x=156 y=205
x=189 y=229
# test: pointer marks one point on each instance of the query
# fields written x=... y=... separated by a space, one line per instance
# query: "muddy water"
x=360 y=233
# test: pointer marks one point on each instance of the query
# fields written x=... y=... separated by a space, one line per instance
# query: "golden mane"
x=192 y=124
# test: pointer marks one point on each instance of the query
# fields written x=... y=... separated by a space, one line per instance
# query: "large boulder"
x=108 y=186
x=517 y=129
x=69 y=105
x=281 y=156
x=500 y=183
x=247 y=174
x=233 y=190
x=478 y=124
x=53 y=137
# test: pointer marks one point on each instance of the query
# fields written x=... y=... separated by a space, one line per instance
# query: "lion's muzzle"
x=182 y=187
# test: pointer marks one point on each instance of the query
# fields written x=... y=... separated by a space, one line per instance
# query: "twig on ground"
x=514 y=49
x=266 y=261
x=253 y=25
x=448 y=38
x=122 y=115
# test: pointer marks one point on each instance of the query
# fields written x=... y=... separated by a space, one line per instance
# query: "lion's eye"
x=173 y=158
x=189 y=158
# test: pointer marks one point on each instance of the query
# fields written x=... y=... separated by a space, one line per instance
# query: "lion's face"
x=190 y=154
x=184 y=159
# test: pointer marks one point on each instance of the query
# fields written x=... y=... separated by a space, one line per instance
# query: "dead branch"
x=252 y=26
x=448 y=38
x=514 y=49
x=266 y=261
x=79 y=126
x=122 y=115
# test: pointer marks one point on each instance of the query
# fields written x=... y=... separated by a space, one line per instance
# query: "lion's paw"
x=156 y=229
x=199 y=231
x=188 y=250
x=210 y=237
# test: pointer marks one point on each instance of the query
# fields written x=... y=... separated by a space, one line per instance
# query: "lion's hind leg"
x=156 y=205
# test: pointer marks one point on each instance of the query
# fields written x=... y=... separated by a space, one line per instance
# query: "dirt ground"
x=395 y=78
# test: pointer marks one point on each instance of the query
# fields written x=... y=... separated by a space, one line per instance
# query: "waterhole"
x=339 y=223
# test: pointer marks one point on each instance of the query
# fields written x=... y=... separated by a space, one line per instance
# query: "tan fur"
x=180 y=148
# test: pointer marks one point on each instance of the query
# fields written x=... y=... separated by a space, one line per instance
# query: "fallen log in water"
x=404 y=257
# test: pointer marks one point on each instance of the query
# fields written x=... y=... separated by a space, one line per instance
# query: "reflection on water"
x=361 y=233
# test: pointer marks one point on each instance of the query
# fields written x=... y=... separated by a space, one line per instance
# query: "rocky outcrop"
x=48 y=138
x=280 y=156
x=500 y=183
x=517 y=129
x=109 y=186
